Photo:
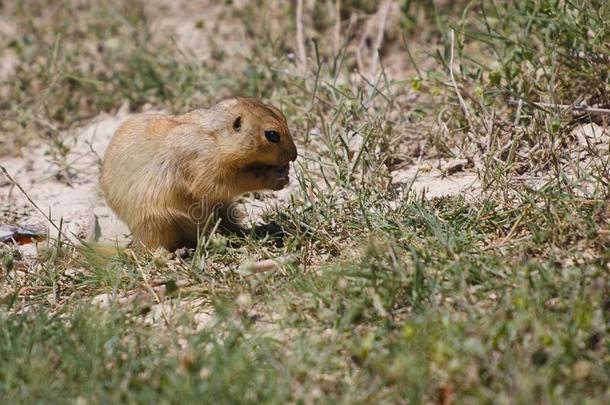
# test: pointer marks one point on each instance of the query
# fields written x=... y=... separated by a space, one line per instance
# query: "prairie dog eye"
x=237 y=124
x=272 y=136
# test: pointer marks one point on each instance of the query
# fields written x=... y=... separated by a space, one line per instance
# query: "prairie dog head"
x=256 y=140
x=259 y=130
x=251 y=139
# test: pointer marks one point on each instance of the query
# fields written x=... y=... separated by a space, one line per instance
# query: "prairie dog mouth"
x=264 y=167
x=260 y=167
x=282 y=172
x=277 y=175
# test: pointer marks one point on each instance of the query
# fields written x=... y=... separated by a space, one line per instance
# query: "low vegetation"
x=382 y=294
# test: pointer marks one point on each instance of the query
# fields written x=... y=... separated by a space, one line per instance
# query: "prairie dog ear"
x=276 y=110
x=237 y=124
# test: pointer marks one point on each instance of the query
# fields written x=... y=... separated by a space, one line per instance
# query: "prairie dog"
x=165 y=174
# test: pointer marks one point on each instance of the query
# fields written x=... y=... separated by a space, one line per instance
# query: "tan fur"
x=165 y=175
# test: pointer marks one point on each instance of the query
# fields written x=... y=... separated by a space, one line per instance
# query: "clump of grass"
x=75 y=62
x=549 y=51
x=519 y=65
x=87 y=355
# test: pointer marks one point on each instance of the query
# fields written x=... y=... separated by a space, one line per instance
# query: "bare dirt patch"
x=65 y=189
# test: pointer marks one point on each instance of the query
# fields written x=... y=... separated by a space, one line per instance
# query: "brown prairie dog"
x=164 y=175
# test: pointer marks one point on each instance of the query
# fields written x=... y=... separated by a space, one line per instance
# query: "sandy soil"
x=65 y=190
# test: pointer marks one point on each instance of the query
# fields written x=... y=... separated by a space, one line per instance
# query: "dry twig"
x=455 y=86
x=337 y=29
x=300 y=36
x=383 y=18
x=567 y=107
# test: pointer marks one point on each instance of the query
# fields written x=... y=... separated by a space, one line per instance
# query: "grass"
x=386 y=295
